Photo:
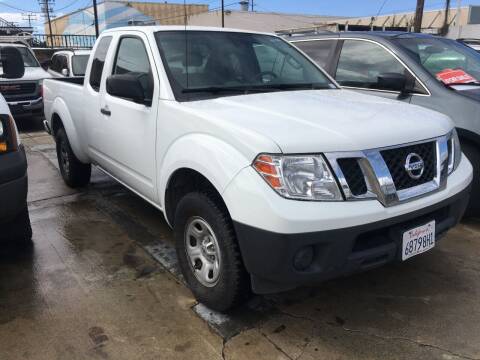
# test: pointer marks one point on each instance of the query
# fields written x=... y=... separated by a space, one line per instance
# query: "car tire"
x=215 y=274
x=18 y=232
x=473 y=154
x=74 y=172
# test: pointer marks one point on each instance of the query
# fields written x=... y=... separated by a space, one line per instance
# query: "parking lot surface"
x=101 y=282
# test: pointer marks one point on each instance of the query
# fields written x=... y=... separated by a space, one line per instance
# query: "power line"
x=381 y=7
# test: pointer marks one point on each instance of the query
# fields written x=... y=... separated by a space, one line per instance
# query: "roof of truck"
x=73 y=51
x=156 y=28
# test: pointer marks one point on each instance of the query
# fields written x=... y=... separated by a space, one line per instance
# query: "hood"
x=31 y=73
x=324 y=120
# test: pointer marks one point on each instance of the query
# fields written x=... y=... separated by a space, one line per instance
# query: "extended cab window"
x=132 y=58
x=98 y=62
x=319 y=50
x=361 y=62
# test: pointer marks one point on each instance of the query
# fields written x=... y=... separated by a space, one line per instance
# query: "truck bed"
x=79 y=80
x=66 y=91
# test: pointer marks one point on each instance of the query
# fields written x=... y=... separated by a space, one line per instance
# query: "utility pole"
x=417 y=23
x=223 y=14
x=252 y=5
x=445 y=25
x=47 y=7
x=95 y=15
x=457 y=18
x=29 y=17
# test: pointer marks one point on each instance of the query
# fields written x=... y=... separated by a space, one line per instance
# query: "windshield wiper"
x=214 y=89
x=257 y=88
x=295 y=86
x=466 y=84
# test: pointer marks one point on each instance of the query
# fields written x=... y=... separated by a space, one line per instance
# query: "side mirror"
x=65 y=72
x=127 y=86
x=392 y=81
x=46 y=64
x=12 y=63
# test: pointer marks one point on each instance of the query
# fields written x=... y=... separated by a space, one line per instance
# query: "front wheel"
x=473 y=154
x=208 y=252
x=74 y=172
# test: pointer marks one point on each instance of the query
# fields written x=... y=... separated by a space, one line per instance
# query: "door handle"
x=105 y=111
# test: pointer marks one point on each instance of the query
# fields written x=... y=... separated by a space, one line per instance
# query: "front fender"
x=60 y=108
x=215 y=159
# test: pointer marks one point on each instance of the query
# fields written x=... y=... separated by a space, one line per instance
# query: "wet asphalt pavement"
x=101 y=282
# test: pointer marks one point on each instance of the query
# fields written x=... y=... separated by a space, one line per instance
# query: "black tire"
x=473 y=154
x=232 y=286
x=74 y=173
x=18 y=232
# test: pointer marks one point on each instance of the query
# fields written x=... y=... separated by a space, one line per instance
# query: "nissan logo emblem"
x=414 y=166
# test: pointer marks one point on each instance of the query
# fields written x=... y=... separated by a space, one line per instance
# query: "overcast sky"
x=12 y=9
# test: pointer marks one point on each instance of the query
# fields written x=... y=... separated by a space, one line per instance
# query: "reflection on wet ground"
x=101 y=281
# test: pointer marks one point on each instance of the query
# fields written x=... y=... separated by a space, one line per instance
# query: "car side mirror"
x=12 y=63
x=65 y=72
x=127 y=86
x=392 y=81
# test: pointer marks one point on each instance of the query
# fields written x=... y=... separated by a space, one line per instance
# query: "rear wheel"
x=74 y=173
x=208 y=252
x=473 y=154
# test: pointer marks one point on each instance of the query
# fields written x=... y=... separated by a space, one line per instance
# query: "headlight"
x=454 y=152
x=302 y=177
x=8 y=134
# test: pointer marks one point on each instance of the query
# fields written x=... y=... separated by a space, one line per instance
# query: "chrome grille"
x=395 y=160
x=353 y=175
x=381 y=173
x=12 y=89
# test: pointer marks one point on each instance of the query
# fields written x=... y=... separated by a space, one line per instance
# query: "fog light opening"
x=303 y=258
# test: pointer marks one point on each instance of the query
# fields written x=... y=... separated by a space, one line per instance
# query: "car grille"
x=354 y=175
x=13 y=89
x=382 y=173
x=395 y=160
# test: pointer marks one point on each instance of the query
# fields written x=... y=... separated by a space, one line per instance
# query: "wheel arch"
x=61 y=118
x=197 y=161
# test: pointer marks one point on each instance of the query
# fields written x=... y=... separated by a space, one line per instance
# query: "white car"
x=68 y=63
x=24 y=95
x=271 y=176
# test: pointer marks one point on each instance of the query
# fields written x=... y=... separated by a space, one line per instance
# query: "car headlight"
x=302 y=177
x=454 y=151
x=8 y=134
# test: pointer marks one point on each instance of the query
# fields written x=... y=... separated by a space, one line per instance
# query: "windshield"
x=79 y=64
x=448 y=61
x=28 y=59
x=207 y=64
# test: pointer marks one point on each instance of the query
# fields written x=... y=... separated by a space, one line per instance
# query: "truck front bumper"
x=271 y=258
x=344 y=237
x=21 y=108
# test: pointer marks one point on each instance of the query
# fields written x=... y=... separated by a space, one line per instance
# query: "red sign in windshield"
x=450 y=76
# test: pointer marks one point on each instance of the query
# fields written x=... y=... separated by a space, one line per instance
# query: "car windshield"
x=79 y=64
x=28 y=58
x=202 y=64
x=449 y=61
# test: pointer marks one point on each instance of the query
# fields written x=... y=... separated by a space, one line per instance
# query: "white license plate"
x=418 y=240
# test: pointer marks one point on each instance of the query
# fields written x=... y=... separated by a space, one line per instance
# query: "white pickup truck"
x=270 y=175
